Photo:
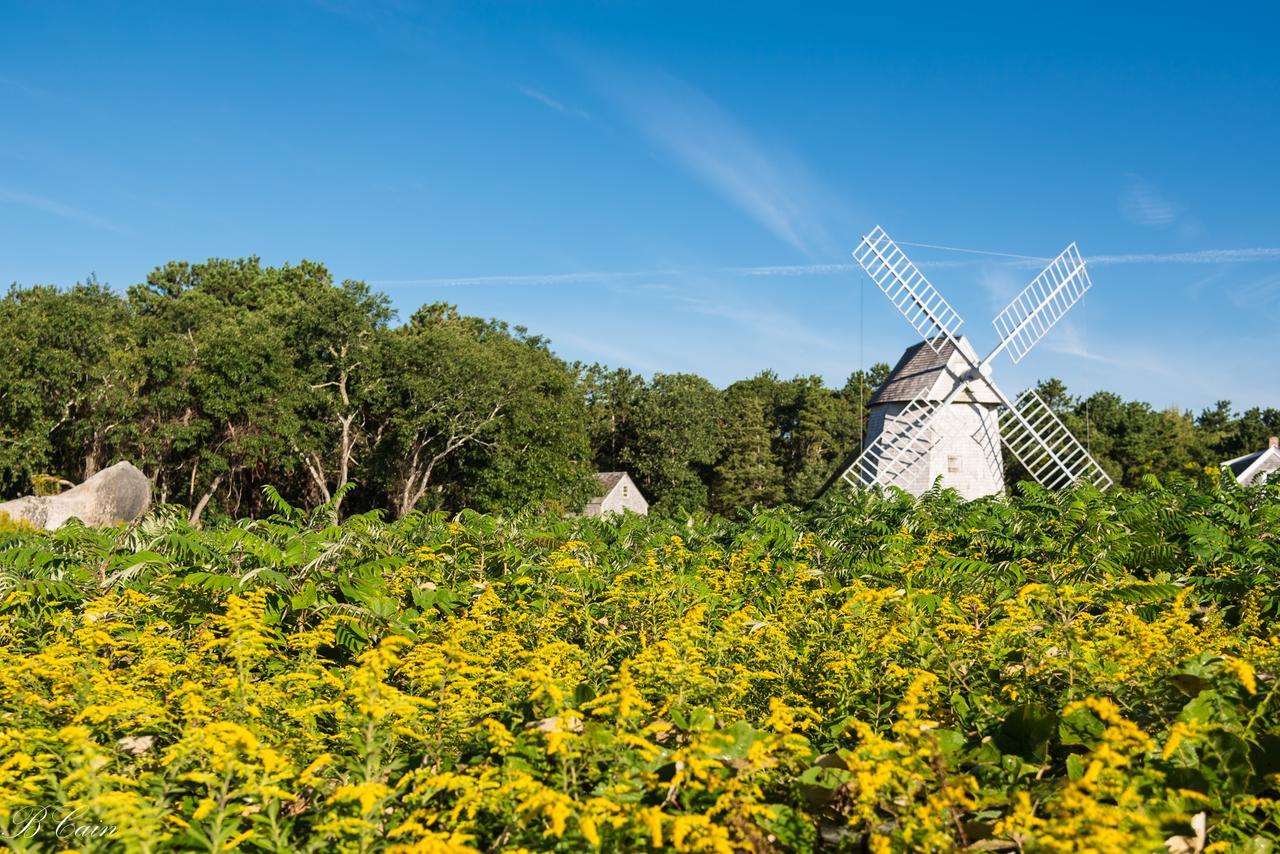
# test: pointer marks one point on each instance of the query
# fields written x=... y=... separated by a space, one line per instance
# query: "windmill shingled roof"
x=922 y=370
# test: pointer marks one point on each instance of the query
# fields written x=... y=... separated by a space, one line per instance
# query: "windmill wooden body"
x=966 y=453
x=940 y=414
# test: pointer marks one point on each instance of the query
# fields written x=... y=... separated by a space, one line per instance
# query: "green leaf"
x=949 y=741
x=1075 y=766
x=305 y=598
x=1080 y=727
x=1026 y=731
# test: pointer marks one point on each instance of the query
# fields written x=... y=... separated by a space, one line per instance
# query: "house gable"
x=1260 y=469
x=620 y=495
x=1256 y=467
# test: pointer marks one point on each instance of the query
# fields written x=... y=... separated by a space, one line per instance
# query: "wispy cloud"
x=1068 y=340
x=793 y=269
x=769 y=322
x=1142 y=204
x=999 y=284
x=523 y=279
x=1196 y=288
x=986 y=252
x=1203 y=256
x=768 y=184
x=677 y=287
x=56 y=208
x=397 y=21
x=547 y=101
x=16 y=85
x=611 y=352
x=1263 y=293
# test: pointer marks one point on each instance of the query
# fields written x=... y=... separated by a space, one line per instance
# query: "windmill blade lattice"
x=895 y=453
x=907 y=288
x=1049 y=452
x=1042 y=303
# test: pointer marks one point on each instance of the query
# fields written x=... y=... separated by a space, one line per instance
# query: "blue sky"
x=677 y=187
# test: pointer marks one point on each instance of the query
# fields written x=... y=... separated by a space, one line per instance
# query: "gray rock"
x=117 y=494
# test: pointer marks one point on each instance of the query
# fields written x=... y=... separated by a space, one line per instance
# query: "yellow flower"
x=369 y=794
x=590 y=831
x=1180 y=731
x=499 y=736
x=204 y=809
x=652 y=817
x=1243 y=671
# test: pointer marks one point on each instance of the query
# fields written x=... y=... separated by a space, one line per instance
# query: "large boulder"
x=114 y=495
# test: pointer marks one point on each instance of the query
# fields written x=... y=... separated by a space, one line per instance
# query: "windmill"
x=940 y=412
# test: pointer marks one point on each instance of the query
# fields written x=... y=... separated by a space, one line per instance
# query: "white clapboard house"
x=1256 y=468
x=620 y=495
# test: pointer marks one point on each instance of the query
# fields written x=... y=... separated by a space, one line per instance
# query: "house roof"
x=923 y=370
x=1245 y=468
x=609 y=479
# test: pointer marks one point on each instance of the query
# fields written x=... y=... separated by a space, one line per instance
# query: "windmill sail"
x=1049 y=452
x=907 y=288
x=903 y=444
x=1042 y=303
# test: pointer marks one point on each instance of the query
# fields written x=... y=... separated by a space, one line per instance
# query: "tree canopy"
x=222 y=377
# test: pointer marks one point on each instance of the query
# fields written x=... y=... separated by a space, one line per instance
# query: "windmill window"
x=624 y=490
x=953 y=464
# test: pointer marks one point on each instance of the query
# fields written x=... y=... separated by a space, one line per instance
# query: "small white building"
x=1254 y=469
x=620 y=495
x=967 y=452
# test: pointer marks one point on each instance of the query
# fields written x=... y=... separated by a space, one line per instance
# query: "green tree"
x=69 y=380
x=1053 y=392
x=849 y=432
x=540 y=452
x=612 y=398
x=460 y=388
x=334 y=335
x=822 y=423
x=748 y=473
x=1254 y=427
x=677 y=441
x=1217 y=419
x=219 y=409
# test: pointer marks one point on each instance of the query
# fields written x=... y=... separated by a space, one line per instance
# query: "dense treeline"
x=221 y=377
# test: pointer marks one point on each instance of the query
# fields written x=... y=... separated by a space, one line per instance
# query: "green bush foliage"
x=1047 y=672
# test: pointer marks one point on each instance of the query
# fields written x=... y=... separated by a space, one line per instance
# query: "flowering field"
x=1051 y=673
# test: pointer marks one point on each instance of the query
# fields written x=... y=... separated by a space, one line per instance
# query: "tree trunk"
x=346 y=451
x=203 y=502
x=347 y=441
